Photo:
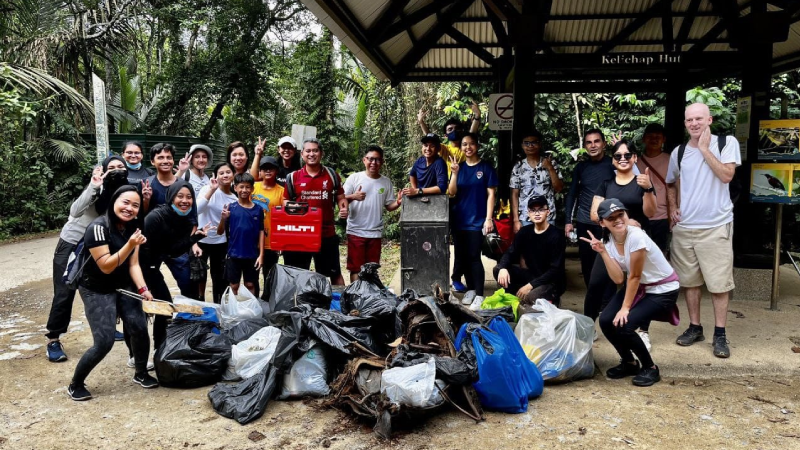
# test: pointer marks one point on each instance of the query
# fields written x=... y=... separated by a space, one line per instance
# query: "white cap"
x=288 y=139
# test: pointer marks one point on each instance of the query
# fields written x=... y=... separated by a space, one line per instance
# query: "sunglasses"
x=621 y=156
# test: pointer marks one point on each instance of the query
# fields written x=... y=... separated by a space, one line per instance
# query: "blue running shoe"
x=55 y=353
x=118 y=336
x=459 y=286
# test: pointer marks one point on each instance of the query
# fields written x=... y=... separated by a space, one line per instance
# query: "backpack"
x=735 y=186
x=290 y=183
x=75 y=264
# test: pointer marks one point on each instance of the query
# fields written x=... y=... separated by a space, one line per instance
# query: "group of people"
x=130 y=220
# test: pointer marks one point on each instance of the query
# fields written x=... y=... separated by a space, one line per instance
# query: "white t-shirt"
x=705 y=201
x=198 y=183
x=656 y=267
x=365 y=218
x=210 y=211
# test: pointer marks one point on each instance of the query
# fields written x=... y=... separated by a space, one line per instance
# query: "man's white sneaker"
x=646 y=339
x=132 y=364
x=476 y=304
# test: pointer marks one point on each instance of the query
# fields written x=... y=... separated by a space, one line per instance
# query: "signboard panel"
x=779 y=140
x=501 y=112
x=100 y=119
x=775 y=183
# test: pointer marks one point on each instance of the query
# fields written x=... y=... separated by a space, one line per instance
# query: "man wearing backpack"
x=702 y=236
x=320 y=187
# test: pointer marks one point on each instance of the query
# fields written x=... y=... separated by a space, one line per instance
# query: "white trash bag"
x=249 y=357
x=308 y=377
x=412 y=386
x=236 y=308
x=558 y=341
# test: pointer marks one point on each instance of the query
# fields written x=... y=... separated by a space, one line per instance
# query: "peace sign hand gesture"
x=616 y=138
x=213 y=183
x=225 y=212
x=453 y=164
x=597 y=244
x=97 y=176
x=147 y=190
x=260 y=146
x=183 y=164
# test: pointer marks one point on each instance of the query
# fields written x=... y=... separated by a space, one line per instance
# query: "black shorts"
x=326 y=261
x=238 y=268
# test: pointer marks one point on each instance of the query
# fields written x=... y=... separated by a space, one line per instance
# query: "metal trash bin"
x=424 y=243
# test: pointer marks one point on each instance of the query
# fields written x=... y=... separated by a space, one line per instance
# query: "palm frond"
x=41 y=83
x=63 y=150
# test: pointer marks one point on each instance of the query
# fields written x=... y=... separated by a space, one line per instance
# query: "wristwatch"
x=652 y=189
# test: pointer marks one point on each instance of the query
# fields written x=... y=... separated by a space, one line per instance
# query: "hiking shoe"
x=645 y=336
x=721 y=349
x=55 y=352
x=647 y=377
x=78 y=393
x=476 y=304
x=623 y=370
x=145 y=381
x=690 y=336
x=118 y=336
x=132 y=364
x=458 y=286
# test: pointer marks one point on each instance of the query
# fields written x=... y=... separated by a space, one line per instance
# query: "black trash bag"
x=294 y=341
x=505 y=312
x=247 y=400
x=449 y=370
x=192 y=355
x=369 y=273
x=367 y=296
x=288 y=284
x=339 y=331
x=244 y=329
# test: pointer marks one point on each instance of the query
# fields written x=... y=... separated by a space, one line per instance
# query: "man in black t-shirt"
x=533 y=266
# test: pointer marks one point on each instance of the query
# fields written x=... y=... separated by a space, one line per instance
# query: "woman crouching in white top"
x=650 y=293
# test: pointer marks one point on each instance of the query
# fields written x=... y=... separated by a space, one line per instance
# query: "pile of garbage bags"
x=386 y=358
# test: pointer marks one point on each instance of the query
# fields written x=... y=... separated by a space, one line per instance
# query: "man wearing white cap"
x=289 y=159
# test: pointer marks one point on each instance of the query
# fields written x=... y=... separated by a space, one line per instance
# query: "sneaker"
x=690 y=336
x=645 y=336
x=468 y=298
x=647 y=377
x=118 y=336
x=78 y=393
x=132 y=364
x=476 y=304
x=623 y=370
x=721 y=349
x=458 y=286
x=55 y=352
x=145 y=381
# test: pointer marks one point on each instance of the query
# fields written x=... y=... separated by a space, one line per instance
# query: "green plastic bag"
x=501 y=298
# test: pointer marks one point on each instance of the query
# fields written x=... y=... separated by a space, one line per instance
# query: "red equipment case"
x=296 y=228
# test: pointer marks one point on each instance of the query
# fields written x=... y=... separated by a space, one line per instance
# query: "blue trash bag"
x=531 y=376
x=336 y=301
x=505 y=382
x=209 y=315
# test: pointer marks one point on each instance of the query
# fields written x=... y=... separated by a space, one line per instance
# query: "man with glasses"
x=533 y=267
x=369 y=193
x=132 y=153
x=536 y=175
x=586 y=178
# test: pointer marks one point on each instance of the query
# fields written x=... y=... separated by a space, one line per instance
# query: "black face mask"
x=116 y=178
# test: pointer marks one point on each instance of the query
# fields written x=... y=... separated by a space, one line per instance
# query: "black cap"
x=654 y=128
x=431 y=137
x=538 y=200
x=267 y=161
x=609 y=206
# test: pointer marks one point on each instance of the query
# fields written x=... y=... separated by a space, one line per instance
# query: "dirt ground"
x=35 y=412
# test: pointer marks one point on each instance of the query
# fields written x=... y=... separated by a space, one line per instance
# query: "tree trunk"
x=578 y=119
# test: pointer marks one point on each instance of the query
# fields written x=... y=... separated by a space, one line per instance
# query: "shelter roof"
x=418 y=40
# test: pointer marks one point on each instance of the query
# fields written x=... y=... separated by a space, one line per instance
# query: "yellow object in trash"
x=532 y=352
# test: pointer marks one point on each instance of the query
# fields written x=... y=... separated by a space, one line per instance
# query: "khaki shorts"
x=704 y=256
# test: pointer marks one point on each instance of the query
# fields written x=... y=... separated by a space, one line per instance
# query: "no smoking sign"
x=501 y=111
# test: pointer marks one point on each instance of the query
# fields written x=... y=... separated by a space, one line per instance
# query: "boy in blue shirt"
x=428 y=175
x=243 y=224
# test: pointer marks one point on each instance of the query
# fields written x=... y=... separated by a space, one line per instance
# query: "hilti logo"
x=296 y=228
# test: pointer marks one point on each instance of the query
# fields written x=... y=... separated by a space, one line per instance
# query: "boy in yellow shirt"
x=268 y=194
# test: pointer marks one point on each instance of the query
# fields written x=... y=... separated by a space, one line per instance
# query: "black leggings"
x=215 y=254
x=158 y=287
x=585 y=252
x=467 y=246
x=101 y=313
x=600 y=289
x=625 y=339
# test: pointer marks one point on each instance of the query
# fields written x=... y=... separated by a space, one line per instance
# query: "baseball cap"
x=538 y=200
x=654 y=128
x=431 y=137
x=201 y=147
x=609 y=206
x=288 y=139
x=267 y=161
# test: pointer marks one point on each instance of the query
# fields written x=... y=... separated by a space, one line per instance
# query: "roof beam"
x=389 y=15
x=499 y=29
x=405 y=23
x=686 y=25
x=445 y=22
x=632 y=27
x=716 y=30
x=666 y=28
x=471 y=45
x=637 y=43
